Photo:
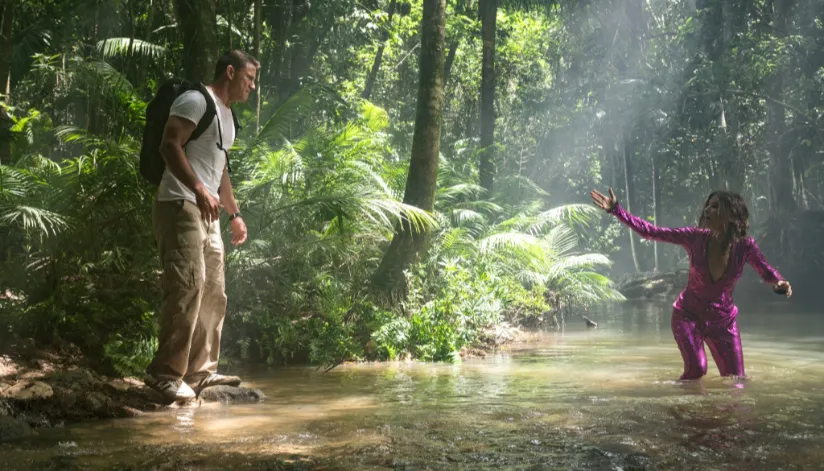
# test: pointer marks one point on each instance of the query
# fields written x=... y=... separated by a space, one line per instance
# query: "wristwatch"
x=235 y=215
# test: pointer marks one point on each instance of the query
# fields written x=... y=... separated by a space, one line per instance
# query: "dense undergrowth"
x=80 y=263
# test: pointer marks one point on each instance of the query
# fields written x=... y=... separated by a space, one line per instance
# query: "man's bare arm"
x=227 y=199
x=177 y=132
x=227 y=195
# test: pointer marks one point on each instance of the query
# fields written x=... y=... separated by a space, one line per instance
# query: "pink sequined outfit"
x=705 y=311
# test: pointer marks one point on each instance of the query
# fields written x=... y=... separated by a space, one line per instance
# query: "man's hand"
x=238 y=231
x=209 y=207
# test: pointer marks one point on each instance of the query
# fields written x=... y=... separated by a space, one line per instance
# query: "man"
x=186 y=224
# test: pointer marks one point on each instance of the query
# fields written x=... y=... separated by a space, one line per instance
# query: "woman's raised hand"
x=600 y=200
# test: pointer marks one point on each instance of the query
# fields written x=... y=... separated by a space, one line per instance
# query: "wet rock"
x=75 y=379
x=11 y=429
x=5 y=408
x=65 y=398
x=96 y=402
x=7 y=366
x=119 y=385
x=229 y=394
x=637 y=462
x=28 y=390
x=130 y=411
x=34 y=420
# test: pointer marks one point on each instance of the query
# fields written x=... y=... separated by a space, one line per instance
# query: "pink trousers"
x=720 y=335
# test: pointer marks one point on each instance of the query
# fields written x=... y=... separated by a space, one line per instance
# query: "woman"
x=718 y=248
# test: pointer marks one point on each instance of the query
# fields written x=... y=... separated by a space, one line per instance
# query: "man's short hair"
x=237 y=59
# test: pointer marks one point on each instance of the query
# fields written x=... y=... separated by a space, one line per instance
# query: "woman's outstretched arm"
x=681 y=236
x=766 y=271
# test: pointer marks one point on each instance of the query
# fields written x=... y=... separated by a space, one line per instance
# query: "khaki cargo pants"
x=193 y=292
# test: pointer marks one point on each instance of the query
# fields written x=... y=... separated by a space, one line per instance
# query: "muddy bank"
x=52 y=387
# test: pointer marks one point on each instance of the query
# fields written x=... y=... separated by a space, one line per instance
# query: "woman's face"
x=714 y=216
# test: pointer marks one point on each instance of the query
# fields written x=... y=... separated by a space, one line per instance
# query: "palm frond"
x=31 y=218
x=111 y=77
x=15 y=183
x=277 y=127
x=508 y=240
x=462 y=215
x=567 y=214
x=374 y=117
x=378 y=209
x=122 y=46
x=561 y=240
x=461 y=190
x=565 y=265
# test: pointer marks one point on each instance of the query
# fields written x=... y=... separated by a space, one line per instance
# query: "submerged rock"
x=11 y=429
x=661 y=285
x=232 y=395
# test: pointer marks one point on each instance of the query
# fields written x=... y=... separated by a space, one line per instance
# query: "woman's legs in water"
x=691 y=343
x=724 y=341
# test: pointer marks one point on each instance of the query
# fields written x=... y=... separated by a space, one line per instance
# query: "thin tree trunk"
x=780 y=168
x=376 y=65
x=630 y=200
x=407 y=245
x=258 y=27
x=450 y=59
x=305 y=43
x=453 y=46
x=229 y=23
x=656 y=202
x=6 y=49
x=488 y=11
x=197 y=22
x=278 y=15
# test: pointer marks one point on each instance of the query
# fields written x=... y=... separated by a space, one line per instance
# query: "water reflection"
x=580 y=399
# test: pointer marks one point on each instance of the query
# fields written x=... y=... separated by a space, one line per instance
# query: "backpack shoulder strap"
x=238 y=127
x=208 y=116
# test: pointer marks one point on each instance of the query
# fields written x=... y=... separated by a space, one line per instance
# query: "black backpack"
x=152 y=164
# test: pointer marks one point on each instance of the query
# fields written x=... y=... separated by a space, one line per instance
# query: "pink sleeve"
x=647 y=230
x=760 y=265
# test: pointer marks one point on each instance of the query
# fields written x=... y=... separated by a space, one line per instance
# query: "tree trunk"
x=407 y=245
x=198 y=24
x=278 y=17
x=630 y=200
x=301 y=55
x=454 y=43
x=656 y=202
x=376 y=65
x=780 y=168
x=258 y=27
x=6 y=49
x=488 y=11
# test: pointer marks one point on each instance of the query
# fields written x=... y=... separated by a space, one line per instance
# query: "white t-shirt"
x=206 y=159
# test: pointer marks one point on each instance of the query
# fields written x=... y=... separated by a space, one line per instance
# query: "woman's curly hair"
x=733 y=209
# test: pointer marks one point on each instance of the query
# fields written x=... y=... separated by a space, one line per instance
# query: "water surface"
x=604 y=399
